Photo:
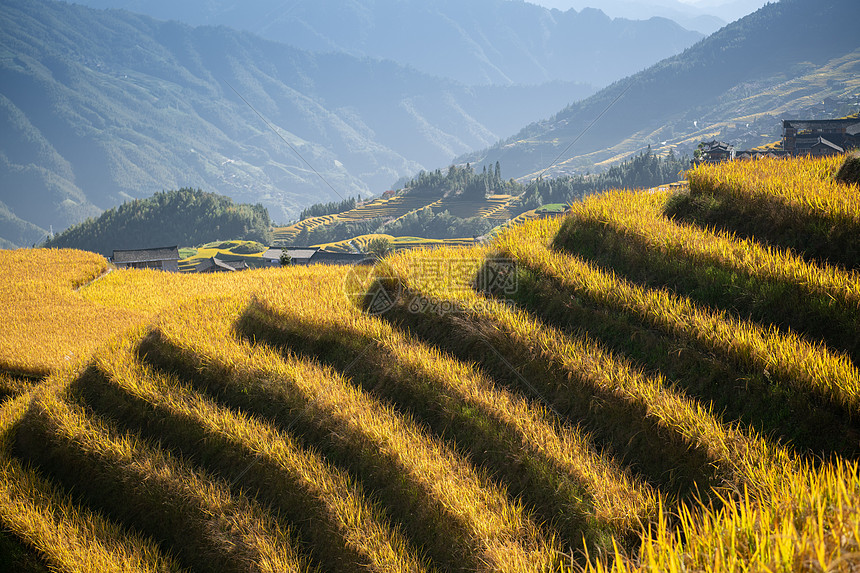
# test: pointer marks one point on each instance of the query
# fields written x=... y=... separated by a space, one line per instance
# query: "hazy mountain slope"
x=736 y=84
x=97 y=107
x=475 y=41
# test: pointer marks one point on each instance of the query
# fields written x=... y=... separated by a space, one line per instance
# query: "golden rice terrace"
x=657 y=381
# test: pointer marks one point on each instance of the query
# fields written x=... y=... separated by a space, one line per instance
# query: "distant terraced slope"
x=655 y=392
x=494 y=207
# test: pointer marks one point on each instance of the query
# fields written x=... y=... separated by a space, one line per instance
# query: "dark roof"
x=835 y=140
x=718 y=146
x=146 y=255
x=294 y=252
x=330 y=258
x=215 y=263
x=823 y=124
x=826 y=143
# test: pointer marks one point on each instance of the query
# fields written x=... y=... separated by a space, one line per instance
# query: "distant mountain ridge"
x=736 y=85
x=472 y=41
x=99 y=107
x=703 y=16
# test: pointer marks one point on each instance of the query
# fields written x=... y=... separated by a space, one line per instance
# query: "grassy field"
x=635 y=386
x=251 y=252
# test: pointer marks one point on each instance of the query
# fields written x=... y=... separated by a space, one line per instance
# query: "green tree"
x=286 y=259
x=379 y=247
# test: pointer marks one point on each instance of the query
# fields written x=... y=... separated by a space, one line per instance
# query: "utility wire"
x=278 y=133
x=589 y=126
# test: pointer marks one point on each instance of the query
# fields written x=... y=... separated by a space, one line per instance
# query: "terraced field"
x=613 y=390
x=390 y=208
x=232 y=251
x=494 y=207
x=362 y=242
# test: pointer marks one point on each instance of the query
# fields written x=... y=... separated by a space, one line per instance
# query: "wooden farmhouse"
x=718 y=151
x=163 y=258
x=216 y=265
x=824 y=147
x=820 y=136
x=329 y=258
x=312 y=256
x=298 y=256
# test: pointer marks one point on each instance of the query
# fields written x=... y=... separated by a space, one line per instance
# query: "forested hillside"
x=186 y=217
x=737 y=85
x=464 y=203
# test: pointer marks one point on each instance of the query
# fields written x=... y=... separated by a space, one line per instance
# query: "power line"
x=589 y=126
x=278 y=133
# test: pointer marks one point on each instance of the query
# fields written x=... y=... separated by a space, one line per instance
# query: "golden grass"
x=15 y=385
x=744 y=457
x=627 y=231
x=810 y=522
x=805 y=185
x=496 y=534
x=639 y=215
x=616 y=498
x=779 y=488
x=69 y=537
x=793 y=203
x=343 y=453
x=788 y=357
x=306 y=486
x=207 y=524
x=51 y=325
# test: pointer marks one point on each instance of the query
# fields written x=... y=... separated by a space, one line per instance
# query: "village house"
x=329 y=258
x=717 y=152
x=162 y=258
x=312 y=256
x=820 y=136
x=216 y=265
x=824 y=147
x=298 y=256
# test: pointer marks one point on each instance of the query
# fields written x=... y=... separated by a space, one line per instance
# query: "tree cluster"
x=640 y=172
x=185 y=217
x=643 y=170
x=428 y=224
x=461 y=181
x=321 y=209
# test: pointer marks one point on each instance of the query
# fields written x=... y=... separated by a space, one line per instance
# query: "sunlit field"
x=638 y=385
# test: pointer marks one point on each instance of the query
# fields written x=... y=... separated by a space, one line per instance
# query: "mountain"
x=687 y=15
x=706 y=16
x=730 y=10
x=784 y=60
x=474 y=41
x=100 y=107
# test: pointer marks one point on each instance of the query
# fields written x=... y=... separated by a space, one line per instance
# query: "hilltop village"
x=815 y=138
